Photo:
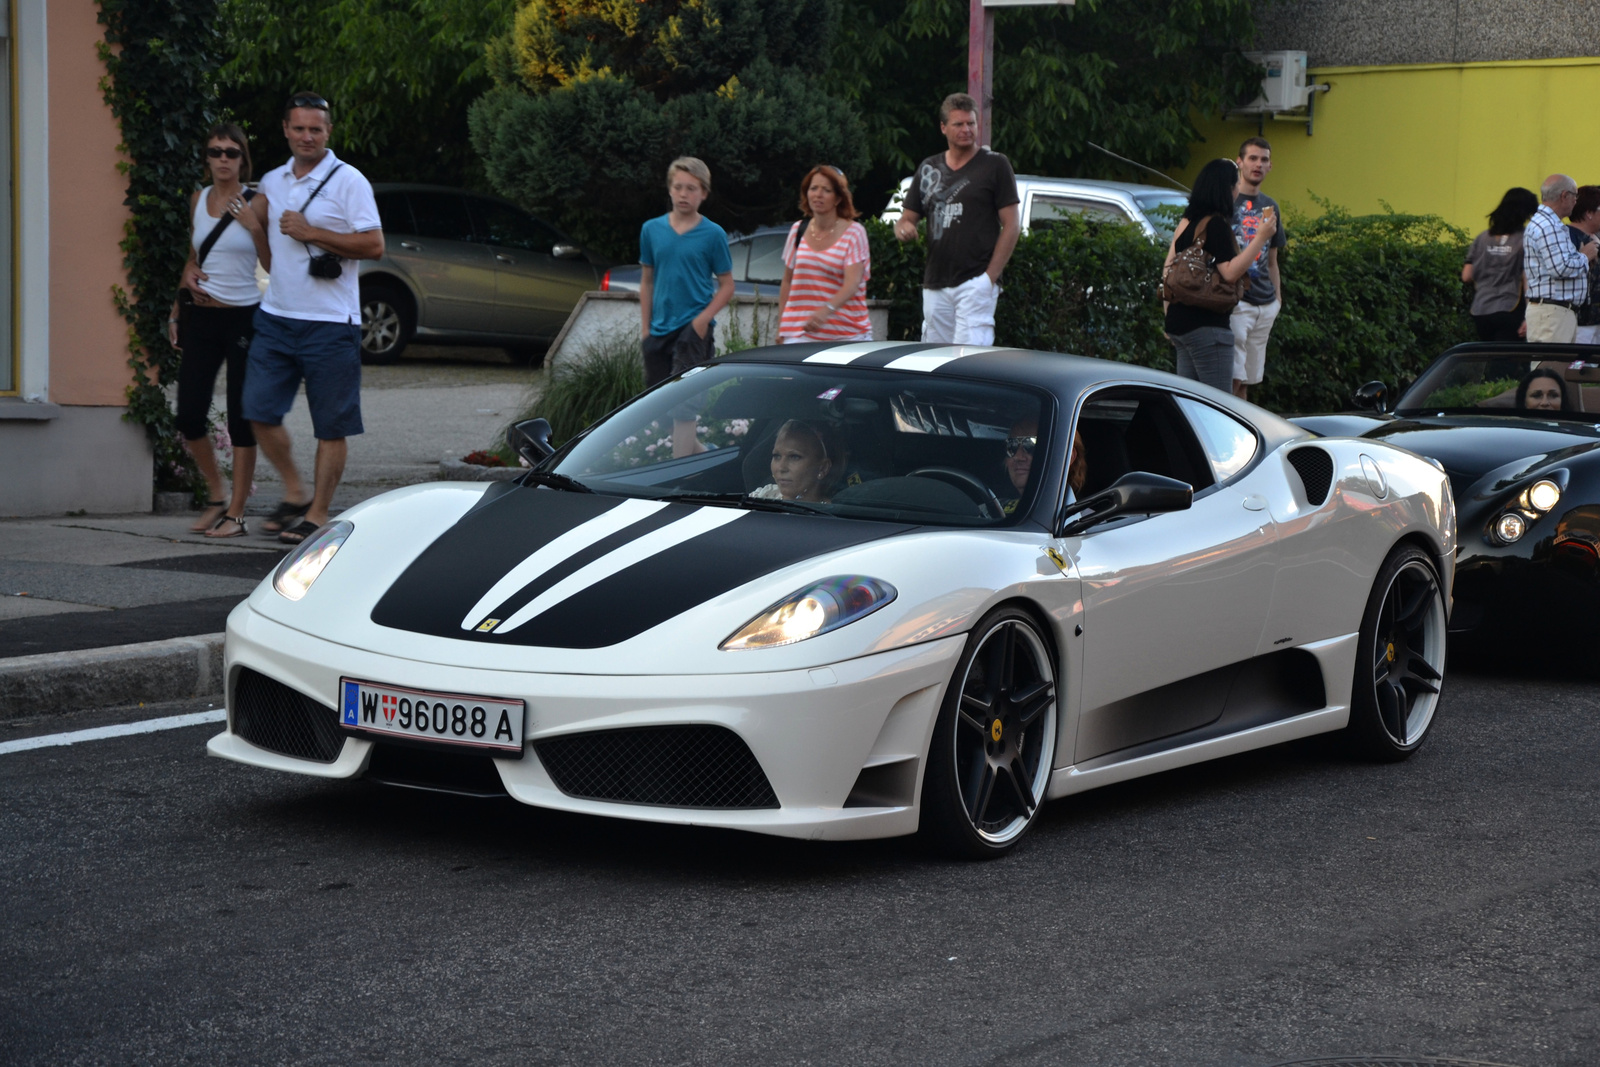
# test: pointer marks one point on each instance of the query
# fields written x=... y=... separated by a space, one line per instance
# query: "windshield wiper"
x=556 y=481
x=744 y=500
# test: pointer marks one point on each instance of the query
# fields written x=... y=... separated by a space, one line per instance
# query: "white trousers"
x=962 y=314
x=1551 y=323
x=1252 y=325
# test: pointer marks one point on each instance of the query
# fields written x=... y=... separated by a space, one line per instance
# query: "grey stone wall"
x=1349 y=33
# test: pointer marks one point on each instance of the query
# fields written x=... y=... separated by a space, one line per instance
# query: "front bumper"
x=811 y=731
x=1546 y=585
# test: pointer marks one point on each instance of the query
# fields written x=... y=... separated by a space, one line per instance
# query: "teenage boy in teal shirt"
x=687 y=276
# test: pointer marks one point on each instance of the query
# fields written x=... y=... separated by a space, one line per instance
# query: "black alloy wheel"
x=387 y=323
x=994 y=743
x=1400 y=658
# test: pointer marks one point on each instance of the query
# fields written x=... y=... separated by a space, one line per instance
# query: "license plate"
x=448 y=718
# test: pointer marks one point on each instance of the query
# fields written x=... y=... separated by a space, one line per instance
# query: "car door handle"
x=502 y=257
x=411 y=245
x=1255 y=502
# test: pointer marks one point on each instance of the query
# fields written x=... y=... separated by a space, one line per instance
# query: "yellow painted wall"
x=1442 y=139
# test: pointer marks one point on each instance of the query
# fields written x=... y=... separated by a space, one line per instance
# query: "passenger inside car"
x=805 y=456
x=1542 y=390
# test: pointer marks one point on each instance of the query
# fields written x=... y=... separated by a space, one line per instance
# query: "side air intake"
x=1315 y=468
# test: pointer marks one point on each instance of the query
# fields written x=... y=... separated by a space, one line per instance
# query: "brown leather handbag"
x=1193 y=278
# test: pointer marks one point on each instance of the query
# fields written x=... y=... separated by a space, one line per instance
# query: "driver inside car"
x=1021 y=441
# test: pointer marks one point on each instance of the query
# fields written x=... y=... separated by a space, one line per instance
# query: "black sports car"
x=1517 y=430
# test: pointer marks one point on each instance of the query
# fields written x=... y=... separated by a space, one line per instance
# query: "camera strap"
x=216 y=231
x=313 y=196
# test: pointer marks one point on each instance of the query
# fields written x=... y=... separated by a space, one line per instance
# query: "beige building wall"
x=88 y=338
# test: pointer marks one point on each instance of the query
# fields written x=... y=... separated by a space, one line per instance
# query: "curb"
x=453 y=470
x=151 y=672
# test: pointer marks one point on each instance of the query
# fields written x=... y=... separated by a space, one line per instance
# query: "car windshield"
x=866 y=444
x=1495 y=383
x=1163 y=209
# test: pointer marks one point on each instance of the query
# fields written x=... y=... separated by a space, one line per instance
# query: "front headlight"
x=816 y=609
x=1510 y=527
x=1542 y=495
x=301 y=567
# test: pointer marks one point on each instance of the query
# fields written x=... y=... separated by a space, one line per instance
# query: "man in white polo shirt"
x=321 y=218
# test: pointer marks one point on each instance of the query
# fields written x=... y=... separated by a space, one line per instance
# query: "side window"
x=506 y=226
x=766 y=258
x=1128 y=430
x=1229 y=444
x=739 y=252
x=1046 y=209
x=441 y=215
x=395 y=213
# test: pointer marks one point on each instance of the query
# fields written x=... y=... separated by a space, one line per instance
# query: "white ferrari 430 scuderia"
x=849 y=591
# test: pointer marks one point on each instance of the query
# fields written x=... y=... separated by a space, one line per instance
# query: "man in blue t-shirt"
x=687 y=276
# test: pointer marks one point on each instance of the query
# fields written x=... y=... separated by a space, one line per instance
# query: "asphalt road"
x=162 y=907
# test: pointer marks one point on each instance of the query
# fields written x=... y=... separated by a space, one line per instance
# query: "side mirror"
x=1135 y=493
x=530 y=439
x=566 y=251
x=1374 y=396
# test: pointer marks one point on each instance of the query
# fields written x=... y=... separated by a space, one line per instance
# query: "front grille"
x=1315 y=468
x=270 y=715
x=674 y=766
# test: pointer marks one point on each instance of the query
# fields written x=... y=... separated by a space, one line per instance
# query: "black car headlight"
x=1541 y=496
x=816 y=609
x=301 y=567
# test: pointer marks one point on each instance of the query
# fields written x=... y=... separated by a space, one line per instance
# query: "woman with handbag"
x=211 y=321
x=826 y=264
x=1206 y=275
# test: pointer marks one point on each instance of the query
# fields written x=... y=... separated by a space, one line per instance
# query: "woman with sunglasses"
x=826 y=264
x=228 y=222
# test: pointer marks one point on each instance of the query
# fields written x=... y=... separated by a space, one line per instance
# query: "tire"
x=387 y=323
x=994 y=742
x=1400 y=659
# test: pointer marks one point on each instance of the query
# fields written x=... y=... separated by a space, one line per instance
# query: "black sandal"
x=296 y=534
x=208 y=522
x=284 y=516
x=239 y=528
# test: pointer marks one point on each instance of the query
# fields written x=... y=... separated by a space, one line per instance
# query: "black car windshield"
x=1500 y=384
x=866 y=444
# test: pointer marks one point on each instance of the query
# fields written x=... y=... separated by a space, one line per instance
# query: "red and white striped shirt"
x=817 y=277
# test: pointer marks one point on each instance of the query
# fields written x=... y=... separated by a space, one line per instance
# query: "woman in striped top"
x=826 y=266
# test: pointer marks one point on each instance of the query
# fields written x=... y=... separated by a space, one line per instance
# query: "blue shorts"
x=327 y=355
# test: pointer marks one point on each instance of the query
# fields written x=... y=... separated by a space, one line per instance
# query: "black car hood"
x=1471 y=446
x=646 y=585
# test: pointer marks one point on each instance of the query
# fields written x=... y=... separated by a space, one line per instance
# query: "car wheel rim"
x=1005 y=723
x=380 y=326
x=1408 y=654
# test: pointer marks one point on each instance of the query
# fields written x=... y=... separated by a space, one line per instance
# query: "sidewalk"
x=100 y=611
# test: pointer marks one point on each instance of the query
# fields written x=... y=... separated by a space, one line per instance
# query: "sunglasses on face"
x=1020 y=444
x=217 y=153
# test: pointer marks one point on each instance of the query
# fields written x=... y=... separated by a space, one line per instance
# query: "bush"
x=581 y=390
x=1374 y=296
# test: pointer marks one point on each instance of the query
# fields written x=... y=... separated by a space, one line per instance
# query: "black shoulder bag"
x=323 y=265
x=185 y=297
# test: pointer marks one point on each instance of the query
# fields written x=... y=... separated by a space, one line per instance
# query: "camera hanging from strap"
x=323 y=265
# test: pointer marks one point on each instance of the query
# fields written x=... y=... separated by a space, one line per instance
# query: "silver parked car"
x=1153 y=208
x=466 y=269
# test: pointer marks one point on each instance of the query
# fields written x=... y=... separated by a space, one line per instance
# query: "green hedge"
x=1375 y=296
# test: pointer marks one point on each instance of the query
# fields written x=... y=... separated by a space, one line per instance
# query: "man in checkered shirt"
x=1557 y=274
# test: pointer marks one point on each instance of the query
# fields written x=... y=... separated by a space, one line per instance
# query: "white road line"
x=100 y=733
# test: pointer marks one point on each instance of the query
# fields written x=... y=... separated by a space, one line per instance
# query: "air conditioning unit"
x=1286 y=87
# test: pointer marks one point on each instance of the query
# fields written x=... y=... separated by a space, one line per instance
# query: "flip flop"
x=284 y=516
x=208 y=517
x=234 y=527
x=296 y=534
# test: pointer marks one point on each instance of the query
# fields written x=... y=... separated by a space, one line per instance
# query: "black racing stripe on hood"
x=648 y=524
x=886 y=356
x=441 y=585
x=670 y=583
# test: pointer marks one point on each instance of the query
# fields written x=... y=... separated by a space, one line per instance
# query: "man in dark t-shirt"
x=1253 y=317
x=969 y=196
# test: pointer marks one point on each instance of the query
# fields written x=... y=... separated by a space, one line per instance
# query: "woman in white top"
x=824 y=291
x=219 y=326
